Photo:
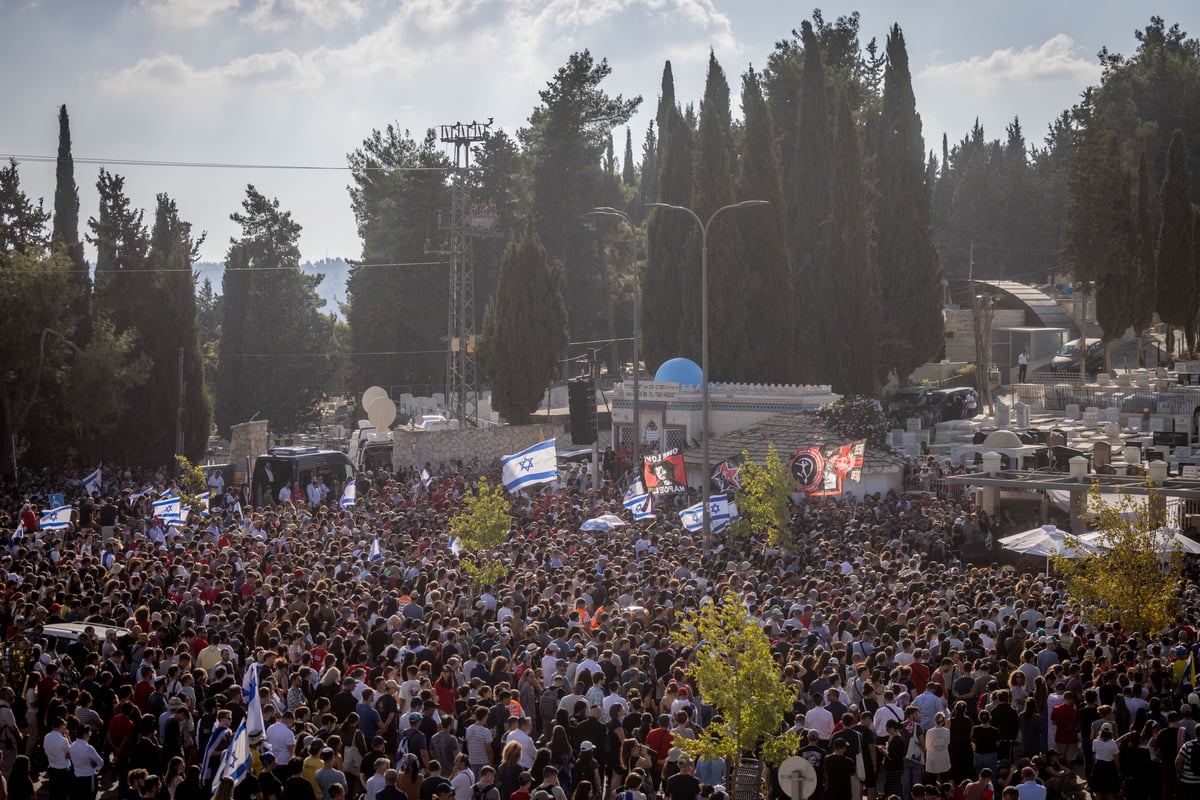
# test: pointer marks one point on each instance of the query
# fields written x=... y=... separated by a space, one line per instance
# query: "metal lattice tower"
x=467 y=221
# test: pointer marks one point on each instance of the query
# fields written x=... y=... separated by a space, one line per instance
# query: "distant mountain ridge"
x=332 y=289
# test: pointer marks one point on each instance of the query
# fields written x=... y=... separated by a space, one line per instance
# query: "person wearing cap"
x=1105 y=780
x=413 y=741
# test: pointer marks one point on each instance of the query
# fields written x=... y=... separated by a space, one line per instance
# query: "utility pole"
x=467 y=222
x=179 y=415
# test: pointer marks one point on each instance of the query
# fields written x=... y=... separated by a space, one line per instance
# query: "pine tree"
x=668 y=242
x=852 y=312
x=524 y=328
x=647 y=190
x=713 y=187
x=1176 y=251
x=66 y=227
x=628 y=176
x=1116 y=281
x=22 y=224
x=768 y=314
x=808 y=199
x=121 y=241
x=1144 y=293
x=910 y=268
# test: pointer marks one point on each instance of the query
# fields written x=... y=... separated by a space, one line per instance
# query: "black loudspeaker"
x=581 y=400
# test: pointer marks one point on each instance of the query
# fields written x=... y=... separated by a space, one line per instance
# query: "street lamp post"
x=608 y=211
x=706 y=468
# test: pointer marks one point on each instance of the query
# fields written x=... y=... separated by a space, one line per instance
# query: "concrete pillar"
x=1021 y=412
x=1157 y=472
x=1003 y=415
x=1079 y=471
x=991 y=463
x=990 y=500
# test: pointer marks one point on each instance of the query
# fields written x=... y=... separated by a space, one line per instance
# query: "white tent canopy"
x=1166 y=540
x=1047 y=541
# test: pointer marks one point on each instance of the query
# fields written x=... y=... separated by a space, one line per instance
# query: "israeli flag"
x=181 y=520
x=167 y=494
x=349 y=495
x=107 y=559
x=91 y=484
x=169 y=508
x=531 y=466
x=455 y=545
x=236 y=761
x=426 y=478
x=376 y=550
x=254 y=710
x=637 y=500
x=200 y=502
x=56 y=518
x=692 y=517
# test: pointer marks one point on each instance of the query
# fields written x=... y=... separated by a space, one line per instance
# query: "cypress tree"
x=910 y=269
x=1144 y=293
x=647 y=189
x=524 y=328
x=1176 y=252
x=1116 y=284
x=808 y=198
x=851 y=311
x=121 y=241
x=768 y=314
x=234 y=372
x=713 y=187
x=628 y=176
x=668 y=242
x=66 y=227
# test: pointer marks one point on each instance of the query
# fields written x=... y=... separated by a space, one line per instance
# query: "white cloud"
x=169 y=72
x=188 y=13
x=277 y=15
x=1058 y=58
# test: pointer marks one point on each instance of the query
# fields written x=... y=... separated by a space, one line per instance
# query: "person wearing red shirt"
x=1065 y=717
x=919 y=670
x=143 y=690
x=29 y=520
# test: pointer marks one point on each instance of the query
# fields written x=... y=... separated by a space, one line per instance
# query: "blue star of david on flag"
x=531 y=466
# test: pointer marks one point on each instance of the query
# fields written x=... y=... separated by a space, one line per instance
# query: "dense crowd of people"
x=384 y=670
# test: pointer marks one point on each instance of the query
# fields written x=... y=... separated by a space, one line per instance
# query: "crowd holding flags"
x=91 y=484
x=56 y=518
x=638 y=501
x=169 y=508
x=349 y=495
x=720 y=511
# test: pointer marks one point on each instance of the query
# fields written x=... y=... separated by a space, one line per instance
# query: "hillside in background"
x=332 y=289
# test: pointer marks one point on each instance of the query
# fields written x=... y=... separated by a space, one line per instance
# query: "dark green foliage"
x=713 y=187
x=1116 y=272
x=851 y=306
x=669 y=247
x=647 y=190
x=1147 y=270
x=910 y=269
x=22 y=224
x=1176 y=251
x=121 y=241
x=278 y=351
x=628 y=176
x=565 y=142
x=397 y=314
x=66 y=226
x=768 y=317
x=524 y=329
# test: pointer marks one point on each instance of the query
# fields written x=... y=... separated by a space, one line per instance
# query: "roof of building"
x=788 y=432
x=1039 y=307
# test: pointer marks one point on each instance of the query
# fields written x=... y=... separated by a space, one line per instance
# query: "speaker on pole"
x=581 y=401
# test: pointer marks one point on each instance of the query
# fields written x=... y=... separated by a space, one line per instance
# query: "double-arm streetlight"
x=706 y=467
x=608 y=211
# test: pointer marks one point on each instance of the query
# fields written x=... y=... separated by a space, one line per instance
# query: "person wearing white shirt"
x=281 y=738
x=528 y=747
x=313 y=492
x=86 y=763
x=377 y=782
x=463 y=779
x=58 y=758
x=285 y=494
x=820 y=720
x=549 y=664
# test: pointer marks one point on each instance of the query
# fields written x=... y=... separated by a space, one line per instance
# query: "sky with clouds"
x=303 y=82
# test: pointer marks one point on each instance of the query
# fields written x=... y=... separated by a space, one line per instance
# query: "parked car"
x=1067 y=358
x=928 y=404
x=62 y=635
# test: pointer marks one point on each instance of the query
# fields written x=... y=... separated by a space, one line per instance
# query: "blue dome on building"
x=683 y=371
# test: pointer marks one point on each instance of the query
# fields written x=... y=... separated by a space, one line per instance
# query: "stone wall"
x=247 y=440
x=416 y=448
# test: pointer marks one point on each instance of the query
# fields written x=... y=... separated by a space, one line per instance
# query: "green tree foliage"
x=121 y=241
x=66 y=227
x=524 y=329
x=736 y=673
x=484 y=520
x=1176 y=251
x=399 y=190
x=669 y=241
x=763 y=500
x=1146 y=281
x=859 y=417
x=767 y=273
x=565 y=141
x=647 y=190
x=628 y=174
x=208 y=318
x=278 y=351
x=713 y=186
x=849 y=311
x=98 y=390
x=22 y=224
x=910 y=269
x=1131 y=580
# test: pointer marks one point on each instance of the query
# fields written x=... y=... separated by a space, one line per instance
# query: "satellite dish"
x=798 y=778
x=372 y=394
x=382 y=413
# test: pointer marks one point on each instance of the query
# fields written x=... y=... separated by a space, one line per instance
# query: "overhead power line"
x=141 y=162
x=345 y=265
